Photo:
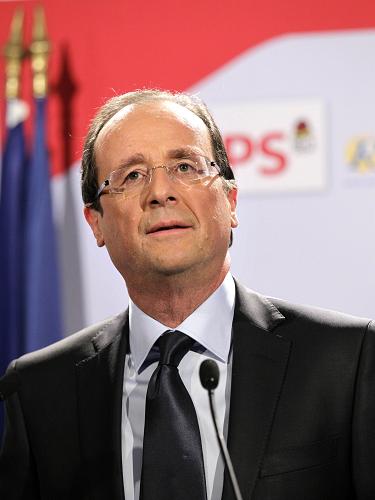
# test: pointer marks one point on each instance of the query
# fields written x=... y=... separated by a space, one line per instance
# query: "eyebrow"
x=135 y=159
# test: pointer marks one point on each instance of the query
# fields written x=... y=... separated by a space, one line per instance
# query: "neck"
x=171 y=299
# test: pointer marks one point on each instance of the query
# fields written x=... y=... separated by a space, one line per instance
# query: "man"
x=295 y=397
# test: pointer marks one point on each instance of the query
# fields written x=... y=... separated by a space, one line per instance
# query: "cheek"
x=217 y=214
x=119 y=227
x=222 y=207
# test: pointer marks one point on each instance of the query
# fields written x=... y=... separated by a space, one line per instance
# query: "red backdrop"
x=102 y=48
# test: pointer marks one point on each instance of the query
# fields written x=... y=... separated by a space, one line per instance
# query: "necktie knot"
x=173 y=346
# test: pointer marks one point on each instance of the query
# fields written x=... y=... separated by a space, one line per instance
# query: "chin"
x=172 y=270
x=175 y=267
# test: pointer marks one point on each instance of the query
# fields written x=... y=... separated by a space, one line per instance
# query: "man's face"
x=135 y=230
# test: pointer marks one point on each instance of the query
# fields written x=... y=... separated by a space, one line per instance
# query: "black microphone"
x=209 y=375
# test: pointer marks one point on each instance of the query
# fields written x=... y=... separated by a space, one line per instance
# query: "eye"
x=135 y=175
x=123 y=178
x=185 y=167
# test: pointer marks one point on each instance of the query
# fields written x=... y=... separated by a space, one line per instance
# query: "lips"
x=165 y=226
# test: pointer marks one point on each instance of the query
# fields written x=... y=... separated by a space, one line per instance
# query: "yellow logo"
x=360 y=153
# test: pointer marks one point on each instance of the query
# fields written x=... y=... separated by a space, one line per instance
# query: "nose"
x=160 y=190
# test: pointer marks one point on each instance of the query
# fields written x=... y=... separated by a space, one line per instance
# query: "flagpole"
x=39 y=52
x=14 y=52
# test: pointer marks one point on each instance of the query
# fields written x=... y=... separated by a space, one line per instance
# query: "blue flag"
x=42 y=324
x=12 y=209
x=29 y=280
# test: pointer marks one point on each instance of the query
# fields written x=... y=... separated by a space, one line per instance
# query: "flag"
x=12 y=207
x=42 y=324
x=29 y=278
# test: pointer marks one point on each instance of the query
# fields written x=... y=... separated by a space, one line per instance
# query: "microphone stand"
x=224 y=449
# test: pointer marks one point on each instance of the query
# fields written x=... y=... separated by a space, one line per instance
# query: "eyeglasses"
x=131 y=180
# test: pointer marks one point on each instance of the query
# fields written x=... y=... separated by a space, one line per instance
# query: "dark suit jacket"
x=302 y=410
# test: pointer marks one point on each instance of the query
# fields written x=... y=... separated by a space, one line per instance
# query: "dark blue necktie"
x=172 y=465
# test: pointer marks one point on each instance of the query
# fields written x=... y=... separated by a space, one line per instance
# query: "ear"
x=232 y=198
x=93 y=218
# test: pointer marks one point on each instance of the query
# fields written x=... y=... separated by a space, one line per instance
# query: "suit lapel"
x=260 y=361
x=99 y=388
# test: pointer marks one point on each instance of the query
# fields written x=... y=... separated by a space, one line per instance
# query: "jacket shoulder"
x=72 y=349
x=319 y=316
x=270 y=313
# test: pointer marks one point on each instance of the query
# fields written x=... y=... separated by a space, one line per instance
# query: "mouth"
x=170 y=227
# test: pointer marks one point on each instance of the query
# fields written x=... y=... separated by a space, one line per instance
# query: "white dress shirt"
x=211 y=326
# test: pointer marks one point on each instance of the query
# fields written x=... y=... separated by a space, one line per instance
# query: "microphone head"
x=209 y=374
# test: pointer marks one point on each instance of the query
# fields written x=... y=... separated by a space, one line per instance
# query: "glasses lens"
x=128 y=179
x=191 y=170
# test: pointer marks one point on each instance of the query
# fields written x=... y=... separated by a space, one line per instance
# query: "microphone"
x=209 y=376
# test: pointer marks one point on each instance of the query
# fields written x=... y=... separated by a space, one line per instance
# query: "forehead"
x=150 y=129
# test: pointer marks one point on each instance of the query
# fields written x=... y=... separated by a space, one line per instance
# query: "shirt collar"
x=210 y=325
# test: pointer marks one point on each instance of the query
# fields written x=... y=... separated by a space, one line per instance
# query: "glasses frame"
x=107 y=181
